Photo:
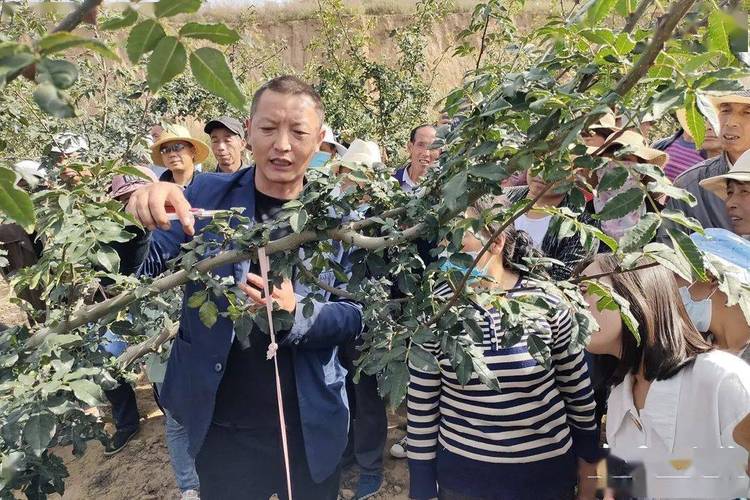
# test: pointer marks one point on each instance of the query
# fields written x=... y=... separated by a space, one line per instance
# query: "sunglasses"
x=173 y=148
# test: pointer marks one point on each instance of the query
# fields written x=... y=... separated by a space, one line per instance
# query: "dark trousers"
x=368 y=427
x=124 y=407
x=238 y=464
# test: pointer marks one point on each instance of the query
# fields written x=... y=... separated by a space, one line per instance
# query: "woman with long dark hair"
x=677 y=403
x=528 y=441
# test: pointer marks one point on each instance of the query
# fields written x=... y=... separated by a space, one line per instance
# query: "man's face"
x=155 y=132
x=734 y=120
x=177 y=156
x=285 y=133
x=420 y=154
x=227 y=148
x=711 y=142
x=329 y=148
x=738 y=206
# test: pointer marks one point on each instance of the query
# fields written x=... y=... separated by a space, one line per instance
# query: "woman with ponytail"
x=532 y=440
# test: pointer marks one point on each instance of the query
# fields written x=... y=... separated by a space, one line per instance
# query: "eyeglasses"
x=176 y=148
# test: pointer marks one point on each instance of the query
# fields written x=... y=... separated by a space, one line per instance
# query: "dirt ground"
x=142 y=471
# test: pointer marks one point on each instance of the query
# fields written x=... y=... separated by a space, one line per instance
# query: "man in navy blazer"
x=220 y=387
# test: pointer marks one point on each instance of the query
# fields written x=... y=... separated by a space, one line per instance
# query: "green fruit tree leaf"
x=695 y=120
x=60 y=72
x=212 y=72
x=217 y=33
x=622 y=204
x=598 y=11
x=15 y=203
x=168 y=8
x=39 y=431
x=143 y=38
x=641 y=234
x=208 y=313
x=63 y=40
x=52 y=101
x=87 y=391
x=298 y=220
x=129 y=18
x=686 y=247
x=167 y=61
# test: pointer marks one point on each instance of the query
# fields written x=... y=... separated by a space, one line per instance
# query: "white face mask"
x=698 y=310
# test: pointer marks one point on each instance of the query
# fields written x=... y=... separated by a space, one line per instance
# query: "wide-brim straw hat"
x=178 y=133
x=635 y=141
x=733 y=96
x=739 y=172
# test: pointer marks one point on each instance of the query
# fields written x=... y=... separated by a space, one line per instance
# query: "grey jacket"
x=710 y=210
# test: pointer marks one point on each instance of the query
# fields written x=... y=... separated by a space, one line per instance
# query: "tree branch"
x=149 y=345
x=96 y=312
x=580 y=279
x=661 y=35
x=324 y=286
x=636 y=16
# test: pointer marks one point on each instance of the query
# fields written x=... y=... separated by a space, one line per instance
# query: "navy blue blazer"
x=199 y=354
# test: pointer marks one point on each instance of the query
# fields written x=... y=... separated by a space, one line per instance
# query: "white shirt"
x=683 y=434
x=537 y=228
x=409 y=183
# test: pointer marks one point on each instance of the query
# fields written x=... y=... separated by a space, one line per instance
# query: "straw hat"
x=739 y=172
x=178 y=133
x=634 y=140
x=606 y=122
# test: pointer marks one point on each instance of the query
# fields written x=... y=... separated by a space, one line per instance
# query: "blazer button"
x=218 y=367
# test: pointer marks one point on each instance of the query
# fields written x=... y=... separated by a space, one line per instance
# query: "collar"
x=660 y=409
x=408 y=180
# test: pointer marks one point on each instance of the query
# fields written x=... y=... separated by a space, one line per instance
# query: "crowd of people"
x=665 y=415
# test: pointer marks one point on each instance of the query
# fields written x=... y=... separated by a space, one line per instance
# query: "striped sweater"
x=539 y=415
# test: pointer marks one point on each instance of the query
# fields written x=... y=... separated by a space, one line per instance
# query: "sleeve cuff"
x=586 y=445
x=422 y=479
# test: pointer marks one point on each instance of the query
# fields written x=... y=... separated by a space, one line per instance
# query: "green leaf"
x=87 y=391
x=396 y=383
x=682 y=219
x=16 y=203
x=52 y=101
x=598 y=11
x=143 y=38
x=454 y=189
x=298 y=220
x=539 y=350
x=490 y=171
x=63 y=40
x=13 y=463
x=128 y=18
x=622 y=204
x=208 y=313
x=613 y=179
x=211 y=71
x=422 y=360
x=699 y=62
x=627 y=316
x=39 y=430
x=664 y=101
x=60 y=72
x=168 y=8
x=641 y=234
x=108 y=259
x=625 y=7
x=167 y=61
x=217 y=33
x=695 y=120
x=13 y=58
x=686 y=247
x=717 y=34
x=197 y=299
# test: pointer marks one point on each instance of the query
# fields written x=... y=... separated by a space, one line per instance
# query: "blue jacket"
x=199 y=354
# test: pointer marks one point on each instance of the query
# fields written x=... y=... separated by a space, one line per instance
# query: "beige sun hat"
x=607 y=121
x=364 y=152
x=634 y=140
x=178 y=133
x=739 y=172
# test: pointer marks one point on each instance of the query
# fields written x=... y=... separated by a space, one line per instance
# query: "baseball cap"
x=229 y=123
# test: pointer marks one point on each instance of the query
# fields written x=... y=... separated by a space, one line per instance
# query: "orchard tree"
x=523 y=106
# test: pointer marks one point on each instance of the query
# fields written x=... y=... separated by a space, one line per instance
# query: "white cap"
x=28 y=168
x=330 y=139
x=68 y=143
x=365 y=152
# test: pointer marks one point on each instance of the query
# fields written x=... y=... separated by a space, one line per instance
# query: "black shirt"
x=246 y=397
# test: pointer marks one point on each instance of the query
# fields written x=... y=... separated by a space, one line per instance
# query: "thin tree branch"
x=482 y=46
x=149 y=345
x=580 y=279
x=325 y=286
x=362 y=224
x=636 y=15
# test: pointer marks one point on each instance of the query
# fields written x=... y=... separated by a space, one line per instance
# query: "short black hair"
x=413 y=133
x=289 y=85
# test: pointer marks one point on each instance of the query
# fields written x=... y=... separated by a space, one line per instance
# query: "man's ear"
x=409 y=146
x=321 y=136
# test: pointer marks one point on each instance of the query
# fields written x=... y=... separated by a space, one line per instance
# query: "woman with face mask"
x=677 y=405
x=470 y=442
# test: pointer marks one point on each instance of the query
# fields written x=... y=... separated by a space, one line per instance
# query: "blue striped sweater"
x=540 y=416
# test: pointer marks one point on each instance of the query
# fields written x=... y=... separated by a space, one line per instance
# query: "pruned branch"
x=325 y=286
x=636 y=15
x=149 y=345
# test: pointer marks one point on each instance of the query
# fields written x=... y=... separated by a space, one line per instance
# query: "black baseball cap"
x=229 y=123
